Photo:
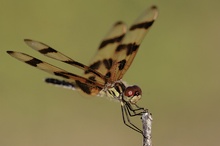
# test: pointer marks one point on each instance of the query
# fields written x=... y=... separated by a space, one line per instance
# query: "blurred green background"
x=177 y=67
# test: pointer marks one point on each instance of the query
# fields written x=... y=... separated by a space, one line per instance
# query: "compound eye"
x=132 y=91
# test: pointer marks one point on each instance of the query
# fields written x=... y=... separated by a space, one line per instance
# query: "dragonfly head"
x=133 y=94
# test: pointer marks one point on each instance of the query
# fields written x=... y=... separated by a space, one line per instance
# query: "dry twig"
x=147 y=127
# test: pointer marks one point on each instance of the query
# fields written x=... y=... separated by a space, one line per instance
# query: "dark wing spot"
x=144 y=25
x=74 y=63
x=84 y=87
x=60 y=74
x=96 y=73
x=10 y=52
x=92 y=78
x=131 y=48
x=111 y=41
x=64 y=74
x=118 y=23
x=120 y=47
x=108 y=75
x=121 y=64
x=47 y=50
x=93 y=66
x=108 y=63
x=34 y=62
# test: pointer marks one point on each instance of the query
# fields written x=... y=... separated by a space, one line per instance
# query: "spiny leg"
x=134 y=111
x=126 y=119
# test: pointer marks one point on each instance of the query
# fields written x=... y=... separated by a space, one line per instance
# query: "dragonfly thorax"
x=118 y=90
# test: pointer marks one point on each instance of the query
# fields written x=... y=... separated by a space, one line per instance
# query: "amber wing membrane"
x=103 y=59
x=118 y=49
x=127 y=50
x=54 y=54
x=88 y=86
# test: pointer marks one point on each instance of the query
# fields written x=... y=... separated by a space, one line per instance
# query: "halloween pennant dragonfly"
x=104 y=75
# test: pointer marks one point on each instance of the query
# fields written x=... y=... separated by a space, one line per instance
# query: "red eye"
x=131 y=91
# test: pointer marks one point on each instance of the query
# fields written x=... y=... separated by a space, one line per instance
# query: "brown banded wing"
x=127 y=49
x=103 y=59
x=54 y=54
x=89 y=87
x=118 y=49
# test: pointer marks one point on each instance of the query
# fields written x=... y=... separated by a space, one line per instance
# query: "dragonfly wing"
x=127 y=50
x=103 y=59
x=54 y=54
x=88 y=86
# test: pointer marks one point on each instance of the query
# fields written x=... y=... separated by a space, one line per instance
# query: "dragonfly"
x=103 y=76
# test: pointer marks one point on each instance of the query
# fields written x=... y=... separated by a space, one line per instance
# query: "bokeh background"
x=177 y=67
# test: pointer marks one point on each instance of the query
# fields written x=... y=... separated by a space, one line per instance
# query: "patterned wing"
x=102 y=61
x=54 y=54
x=126 y=51
x=86 y=85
